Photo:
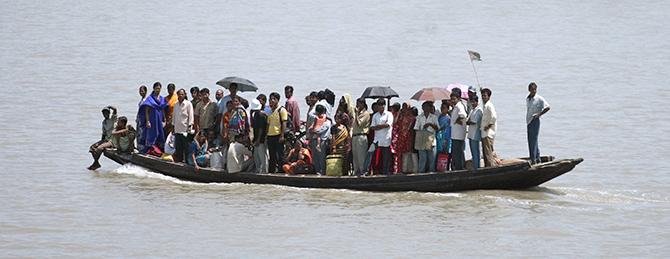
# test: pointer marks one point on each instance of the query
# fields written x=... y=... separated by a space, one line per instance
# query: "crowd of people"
x=264 y=136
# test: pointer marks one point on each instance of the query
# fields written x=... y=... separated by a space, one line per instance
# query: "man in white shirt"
x=239 y=157
x=458 y=117
x=536 y=107
x=182 y=120
x=488 y=128
x=425 y=127
x=381 y=124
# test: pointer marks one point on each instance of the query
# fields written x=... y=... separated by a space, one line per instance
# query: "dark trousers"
x=533 y=130
x=276 y=153
x=180 y=147
x=458 y=154
x=387 y=159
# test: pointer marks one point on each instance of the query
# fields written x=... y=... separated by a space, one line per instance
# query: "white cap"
x=255 y=105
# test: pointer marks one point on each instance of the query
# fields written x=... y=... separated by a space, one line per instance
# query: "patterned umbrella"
x=431 y=94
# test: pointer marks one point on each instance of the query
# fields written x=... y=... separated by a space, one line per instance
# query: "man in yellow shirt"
x=275 y=138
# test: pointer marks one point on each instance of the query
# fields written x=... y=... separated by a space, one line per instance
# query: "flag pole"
x=476 y=76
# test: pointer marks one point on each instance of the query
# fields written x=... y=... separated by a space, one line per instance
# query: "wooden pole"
x=476 y=76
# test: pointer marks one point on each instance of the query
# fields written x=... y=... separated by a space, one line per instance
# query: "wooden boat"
x=518 y=175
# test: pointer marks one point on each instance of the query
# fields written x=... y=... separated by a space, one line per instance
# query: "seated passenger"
x=198 y=151
x=123 y=136
x=239 y=158
x=109 y=115
x=212 y=139
x=299 y=160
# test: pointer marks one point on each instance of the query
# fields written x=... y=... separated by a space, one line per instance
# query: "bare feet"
x=94 y=166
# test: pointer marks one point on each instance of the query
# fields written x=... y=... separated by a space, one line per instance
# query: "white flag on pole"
x=474 y=56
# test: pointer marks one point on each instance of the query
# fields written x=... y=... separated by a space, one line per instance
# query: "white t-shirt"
x=458 y=130
x=383 y=136
x=473 y=129
x=534 y=105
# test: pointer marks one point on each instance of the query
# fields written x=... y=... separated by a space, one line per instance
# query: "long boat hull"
x=520 y=175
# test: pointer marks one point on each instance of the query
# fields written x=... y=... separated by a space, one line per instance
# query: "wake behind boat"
x=515 y=175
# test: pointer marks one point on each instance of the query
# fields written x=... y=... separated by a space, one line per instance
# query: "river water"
x=602 y=65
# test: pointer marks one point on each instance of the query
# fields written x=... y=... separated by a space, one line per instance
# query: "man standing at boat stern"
x=381 y=124
x=536 y=107
x=458 y=116
x=182 y=120
x=488 y=128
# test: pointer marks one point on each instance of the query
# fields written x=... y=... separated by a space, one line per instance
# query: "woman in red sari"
x=402 y=140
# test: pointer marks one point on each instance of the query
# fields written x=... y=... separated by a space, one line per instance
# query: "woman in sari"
x=341 y=144
x=138 y=123
x=402 y=139
x=235 y=122
x=151 y=118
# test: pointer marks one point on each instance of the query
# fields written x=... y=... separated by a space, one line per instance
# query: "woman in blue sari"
x=151 y=117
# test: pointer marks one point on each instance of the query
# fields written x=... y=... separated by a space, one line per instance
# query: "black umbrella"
x=379 y=92
x=243 y=85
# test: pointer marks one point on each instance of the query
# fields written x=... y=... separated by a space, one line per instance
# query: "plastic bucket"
x=334 y=165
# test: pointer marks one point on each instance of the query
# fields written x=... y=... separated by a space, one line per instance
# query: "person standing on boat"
x=402 y=141
x=310 y=100
x=536 y=107
x=381 y=124
x=458 y=116
x=474 y=122
x=320 y=139
x=195 y=96
x=183 y=121
x=140 y=139
x=276 y=129
x=237 y=123
x=232 y=89
x=293 y=109
x=171 y=99
x=205 y=112
x=218 y=96
x=152 y=119
x=108 y=125
x=488 y=128
x=323 y=102
x=472 y=93
x=264 y=104
x=359 y=139
x=425 y=127
x=443 y=137
x=259 y=124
